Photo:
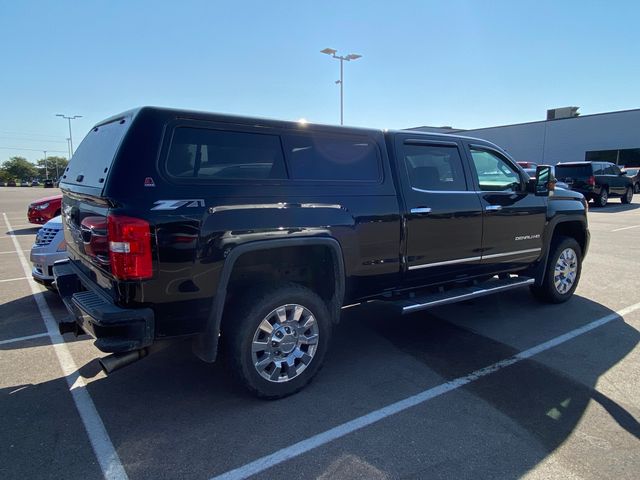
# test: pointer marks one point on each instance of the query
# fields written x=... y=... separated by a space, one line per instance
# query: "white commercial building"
x=566 y=137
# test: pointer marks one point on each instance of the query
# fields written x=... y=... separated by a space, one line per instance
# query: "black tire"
x=602 y=199
x=636 y=188
x=548 y=291
x=628 y=195
x=241 y=331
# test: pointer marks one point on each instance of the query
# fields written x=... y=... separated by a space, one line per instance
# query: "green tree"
x=52 y=162
x=19 y=168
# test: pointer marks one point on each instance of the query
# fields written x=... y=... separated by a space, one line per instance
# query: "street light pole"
x=69 y=118
x=348 y=58
x=341 y=91
x=46 y=172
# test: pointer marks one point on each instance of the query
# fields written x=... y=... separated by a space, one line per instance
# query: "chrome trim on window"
x=416 y=189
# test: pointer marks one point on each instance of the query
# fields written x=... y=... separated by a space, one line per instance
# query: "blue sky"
x=462 y=63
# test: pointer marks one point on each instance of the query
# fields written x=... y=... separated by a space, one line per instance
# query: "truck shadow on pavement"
x=171 y=415
x=24 y=231
x=614 y=208
x=546 y=396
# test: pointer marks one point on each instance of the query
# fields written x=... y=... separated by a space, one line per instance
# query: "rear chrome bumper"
x=43 y=261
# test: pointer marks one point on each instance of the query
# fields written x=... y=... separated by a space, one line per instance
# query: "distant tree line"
x=19 y=168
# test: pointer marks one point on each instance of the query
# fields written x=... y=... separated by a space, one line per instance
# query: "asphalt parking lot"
x=398 y=397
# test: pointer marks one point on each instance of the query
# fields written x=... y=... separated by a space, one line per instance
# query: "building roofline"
x=456 y=130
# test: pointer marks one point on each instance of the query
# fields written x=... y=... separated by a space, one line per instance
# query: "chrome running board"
x=461 y=294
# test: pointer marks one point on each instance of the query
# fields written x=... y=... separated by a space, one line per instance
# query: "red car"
x=528 y=164
x=44 y=209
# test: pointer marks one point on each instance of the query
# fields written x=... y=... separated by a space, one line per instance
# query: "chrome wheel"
x=629 y=195
x=565 y=271
x=604 y=197
x=284 y=343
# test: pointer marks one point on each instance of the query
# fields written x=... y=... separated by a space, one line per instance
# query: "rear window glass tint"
x=332 y=157
x=564 y=171
x=90 y=163
x=215 y=154
x=436 y=168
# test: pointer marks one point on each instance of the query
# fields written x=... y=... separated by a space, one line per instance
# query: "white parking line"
x=106 y=454
x=13 y=279
x=340 y=431
x=22 y=339
x=625 y=228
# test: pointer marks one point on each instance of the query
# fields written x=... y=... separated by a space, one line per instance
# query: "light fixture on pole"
x=70 y=136
x=346 y=58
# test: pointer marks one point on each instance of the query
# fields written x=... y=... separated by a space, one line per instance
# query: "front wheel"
x=277 y=339
x=628 y=195
x=562 y=273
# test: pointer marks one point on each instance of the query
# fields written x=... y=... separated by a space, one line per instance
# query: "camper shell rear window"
x=90 y=164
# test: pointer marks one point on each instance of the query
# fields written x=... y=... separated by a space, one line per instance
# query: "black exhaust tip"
x=69 y=327
x=116 y=361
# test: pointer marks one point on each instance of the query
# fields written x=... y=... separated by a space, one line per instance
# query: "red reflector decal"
x=148 y=182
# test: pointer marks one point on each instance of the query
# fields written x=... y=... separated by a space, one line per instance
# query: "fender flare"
x=205 y=345
x=541 y=268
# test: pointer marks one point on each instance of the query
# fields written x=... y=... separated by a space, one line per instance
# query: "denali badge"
x=528 y=237
x=174 y=204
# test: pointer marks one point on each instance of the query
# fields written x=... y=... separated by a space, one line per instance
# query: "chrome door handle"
x=493 y=208
x=421 y=210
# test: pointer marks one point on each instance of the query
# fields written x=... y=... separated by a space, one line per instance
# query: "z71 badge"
x=175 y=204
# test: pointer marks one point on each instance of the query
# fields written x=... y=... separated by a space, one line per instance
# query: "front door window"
x=494 y=173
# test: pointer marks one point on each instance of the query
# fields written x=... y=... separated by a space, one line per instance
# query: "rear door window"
x=332 y=157
x=434 y=168
x=207 y=154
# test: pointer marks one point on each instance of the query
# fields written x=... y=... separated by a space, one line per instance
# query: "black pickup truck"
x=254 y=234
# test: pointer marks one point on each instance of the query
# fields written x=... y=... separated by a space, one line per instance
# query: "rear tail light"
x=591 y=181
x=129 y=247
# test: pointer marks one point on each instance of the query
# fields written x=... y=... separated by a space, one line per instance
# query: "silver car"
x=48 y=249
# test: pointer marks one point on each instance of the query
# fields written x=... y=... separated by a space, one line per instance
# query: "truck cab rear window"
x=215 y=154
x=313 y=156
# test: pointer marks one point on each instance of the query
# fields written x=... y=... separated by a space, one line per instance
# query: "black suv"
x=255 y=233
x=597 y=181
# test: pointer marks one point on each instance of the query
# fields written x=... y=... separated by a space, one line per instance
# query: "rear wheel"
x=636 y=188
x=277 y=339
x=628 y=195
x=603 y=198
x=562 y=273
